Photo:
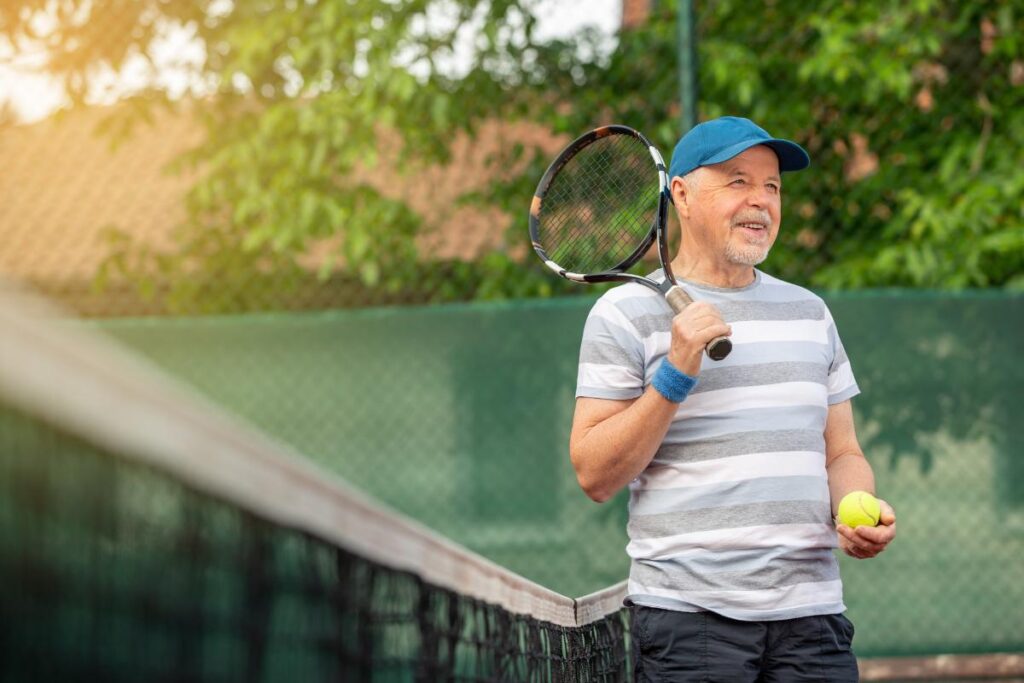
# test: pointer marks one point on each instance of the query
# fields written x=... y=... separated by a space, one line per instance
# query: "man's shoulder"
x=636 y=310
x=632 y=298
x=777 y=289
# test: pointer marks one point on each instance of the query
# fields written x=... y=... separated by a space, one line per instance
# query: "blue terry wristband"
x=672 y=383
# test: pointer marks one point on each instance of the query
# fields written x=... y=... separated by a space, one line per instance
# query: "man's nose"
x=759 y=196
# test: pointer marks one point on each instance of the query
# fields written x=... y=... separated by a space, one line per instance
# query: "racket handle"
x=719 y=347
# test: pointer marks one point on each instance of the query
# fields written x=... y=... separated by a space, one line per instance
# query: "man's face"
x=738 y=206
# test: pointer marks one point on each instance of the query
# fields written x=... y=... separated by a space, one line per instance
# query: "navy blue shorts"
x=704 y=646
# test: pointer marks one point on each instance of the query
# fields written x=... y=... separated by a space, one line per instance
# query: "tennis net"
x=147 y=535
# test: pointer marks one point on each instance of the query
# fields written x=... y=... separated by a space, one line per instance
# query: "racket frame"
x=676 y=296
x=616 y=273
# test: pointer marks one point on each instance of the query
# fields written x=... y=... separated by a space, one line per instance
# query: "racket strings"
x=600 y=206
x=603 y=225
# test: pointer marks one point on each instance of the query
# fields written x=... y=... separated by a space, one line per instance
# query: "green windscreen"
x=459 y=416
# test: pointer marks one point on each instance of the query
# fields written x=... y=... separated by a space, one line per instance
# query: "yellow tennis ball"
x=859 y=508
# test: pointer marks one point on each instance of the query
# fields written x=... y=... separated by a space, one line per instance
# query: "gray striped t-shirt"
x=732 y=515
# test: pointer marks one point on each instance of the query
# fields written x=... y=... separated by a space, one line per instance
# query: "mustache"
x=753 y=217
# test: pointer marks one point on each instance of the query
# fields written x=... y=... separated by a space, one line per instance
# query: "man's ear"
x=680 y=196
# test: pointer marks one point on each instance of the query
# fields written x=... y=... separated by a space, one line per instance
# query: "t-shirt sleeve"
x=842 y=385
x=611 y=355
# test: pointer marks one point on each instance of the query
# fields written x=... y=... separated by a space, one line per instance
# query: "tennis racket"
x=599 y=208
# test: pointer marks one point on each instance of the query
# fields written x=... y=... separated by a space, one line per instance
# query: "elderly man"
x=733 y=486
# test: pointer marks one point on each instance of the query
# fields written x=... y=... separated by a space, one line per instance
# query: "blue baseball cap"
x=718 y=140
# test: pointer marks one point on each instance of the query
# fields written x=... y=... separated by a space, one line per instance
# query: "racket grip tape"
x=678 y=299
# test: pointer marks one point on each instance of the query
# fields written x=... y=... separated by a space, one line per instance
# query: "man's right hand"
x=692 y=330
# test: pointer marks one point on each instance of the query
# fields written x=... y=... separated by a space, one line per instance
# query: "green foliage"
x=913 y=113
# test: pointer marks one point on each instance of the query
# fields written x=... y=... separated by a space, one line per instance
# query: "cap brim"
x=792 y=156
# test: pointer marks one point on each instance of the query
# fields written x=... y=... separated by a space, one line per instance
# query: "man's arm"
x=848 y=470
x=613 y=441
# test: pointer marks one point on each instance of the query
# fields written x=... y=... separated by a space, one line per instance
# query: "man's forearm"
x=611 y=453
x=849 y=472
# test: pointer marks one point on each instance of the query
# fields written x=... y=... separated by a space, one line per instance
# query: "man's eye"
x=739 y=181
x=773 y=188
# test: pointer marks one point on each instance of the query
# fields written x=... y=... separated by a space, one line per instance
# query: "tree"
x=911 y=111
x=913 y=114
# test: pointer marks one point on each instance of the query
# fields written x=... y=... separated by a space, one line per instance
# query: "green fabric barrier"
x=459 y=416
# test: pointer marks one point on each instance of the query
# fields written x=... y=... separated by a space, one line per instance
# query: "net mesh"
x=600 y=206
x=117 y=568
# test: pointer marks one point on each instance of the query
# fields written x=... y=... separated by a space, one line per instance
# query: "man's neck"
x=727 y=276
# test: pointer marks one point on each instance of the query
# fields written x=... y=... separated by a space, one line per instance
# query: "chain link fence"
x=459 y=414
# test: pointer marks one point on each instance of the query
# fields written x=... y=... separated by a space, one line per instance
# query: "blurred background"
x=315 y=213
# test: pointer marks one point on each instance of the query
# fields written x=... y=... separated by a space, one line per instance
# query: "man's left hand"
x=867 y=541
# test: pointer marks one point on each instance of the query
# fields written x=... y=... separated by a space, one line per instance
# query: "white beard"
x=750 y=255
